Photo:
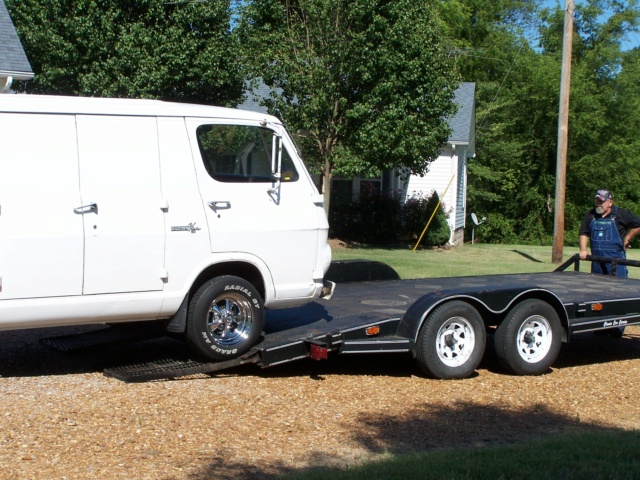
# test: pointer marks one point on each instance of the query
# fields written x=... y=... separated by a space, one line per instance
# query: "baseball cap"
x=603 y=195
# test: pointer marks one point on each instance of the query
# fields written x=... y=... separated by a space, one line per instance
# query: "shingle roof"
x=13 y=60
x=462 y=122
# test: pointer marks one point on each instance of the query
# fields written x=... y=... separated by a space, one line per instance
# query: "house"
x=447 y=175
x=14 y=65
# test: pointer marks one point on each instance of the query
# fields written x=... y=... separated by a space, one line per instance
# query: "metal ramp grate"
x=173 y=368
x=105 y=336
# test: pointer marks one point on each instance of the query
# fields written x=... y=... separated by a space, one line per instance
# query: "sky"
x=631 y=41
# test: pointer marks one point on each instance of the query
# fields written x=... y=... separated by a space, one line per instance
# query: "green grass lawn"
x=465 y=260
x=588 y=456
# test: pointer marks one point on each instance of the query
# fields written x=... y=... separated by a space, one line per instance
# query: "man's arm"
x=584 y=240
x=629 y=236
x=583 y=235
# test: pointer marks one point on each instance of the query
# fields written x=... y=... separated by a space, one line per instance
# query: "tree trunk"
x=326 y=187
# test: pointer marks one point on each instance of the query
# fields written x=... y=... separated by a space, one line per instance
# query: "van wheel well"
x=251 y=274
x=238 y=269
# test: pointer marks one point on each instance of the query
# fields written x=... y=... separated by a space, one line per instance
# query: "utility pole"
x=563 y=135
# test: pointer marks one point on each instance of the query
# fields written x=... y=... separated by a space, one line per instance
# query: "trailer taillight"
x=318 y=352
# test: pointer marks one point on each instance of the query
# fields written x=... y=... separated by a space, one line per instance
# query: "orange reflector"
x=596 y=307
x=375 y=330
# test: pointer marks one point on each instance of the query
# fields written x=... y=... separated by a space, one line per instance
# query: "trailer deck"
x=386 y=316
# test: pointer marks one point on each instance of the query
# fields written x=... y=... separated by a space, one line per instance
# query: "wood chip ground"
x=63 y=419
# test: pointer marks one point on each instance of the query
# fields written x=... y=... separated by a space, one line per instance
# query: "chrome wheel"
x=225 y=318
x=230 y=319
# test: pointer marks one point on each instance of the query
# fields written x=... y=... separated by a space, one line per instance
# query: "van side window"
x=241 y=153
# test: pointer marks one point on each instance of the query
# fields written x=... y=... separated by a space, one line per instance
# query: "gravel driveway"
x=62 y=419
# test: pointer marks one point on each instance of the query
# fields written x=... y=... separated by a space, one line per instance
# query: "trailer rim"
x=534 y=338
x=455 y=341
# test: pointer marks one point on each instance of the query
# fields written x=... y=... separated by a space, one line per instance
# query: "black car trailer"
x=441 y=322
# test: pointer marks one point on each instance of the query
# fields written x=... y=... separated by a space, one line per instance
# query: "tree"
x=181 y=51
x=512 y=179
x=367 y=84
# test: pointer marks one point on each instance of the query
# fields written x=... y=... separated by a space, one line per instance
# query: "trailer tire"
x=451 y=341
x=528 y=341
x=225 y=318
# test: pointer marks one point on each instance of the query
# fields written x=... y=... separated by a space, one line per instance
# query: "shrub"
x=379 y=218
x=417 y=211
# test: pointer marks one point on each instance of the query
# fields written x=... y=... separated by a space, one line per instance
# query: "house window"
x=371 y=187
x=355 y=189
x=342 y=190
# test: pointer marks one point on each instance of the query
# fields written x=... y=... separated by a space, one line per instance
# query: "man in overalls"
x=609 y=229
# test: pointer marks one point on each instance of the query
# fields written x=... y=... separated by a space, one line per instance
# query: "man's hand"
x=583 y=254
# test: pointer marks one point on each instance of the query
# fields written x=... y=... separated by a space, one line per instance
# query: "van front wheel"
x=225 y=318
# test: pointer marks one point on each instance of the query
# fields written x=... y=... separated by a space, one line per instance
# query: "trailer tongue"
x=442 y=322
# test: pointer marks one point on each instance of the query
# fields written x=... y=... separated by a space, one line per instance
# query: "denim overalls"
x=606 y=242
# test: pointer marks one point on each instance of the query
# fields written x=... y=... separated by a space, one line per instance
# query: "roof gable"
x=13 y=60
x=463 y=122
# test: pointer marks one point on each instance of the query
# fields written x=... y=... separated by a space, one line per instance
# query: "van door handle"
x=220 y=204
x=89 y=208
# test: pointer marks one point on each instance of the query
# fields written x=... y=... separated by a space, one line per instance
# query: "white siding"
x=446 y=171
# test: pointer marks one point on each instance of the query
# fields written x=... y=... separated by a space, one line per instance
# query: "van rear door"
x=122 y=201
x=41 y=237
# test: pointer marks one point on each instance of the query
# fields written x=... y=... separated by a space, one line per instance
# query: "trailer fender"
x=492 y=305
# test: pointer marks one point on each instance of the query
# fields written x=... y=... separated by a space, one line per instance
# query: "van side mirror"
x=276 y=164
x=276 y=156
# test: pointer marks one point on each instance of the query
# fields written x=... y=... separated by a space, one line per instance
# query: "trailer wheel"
x=225 y=318
x=527 y=342
x=451 y=341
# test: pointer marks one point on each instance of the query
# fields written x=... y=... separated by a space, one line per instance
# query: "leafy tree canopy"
x=181 y=51
x=367 y=83
x=512 y=180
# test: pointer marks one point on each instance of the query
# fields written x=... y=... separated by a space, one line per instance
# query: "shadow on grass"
x=461 y=425
x=527 y=256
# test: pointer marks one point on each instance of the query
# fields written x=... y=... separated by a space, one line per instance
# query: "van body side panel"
x=245 y=216
x=41 y=238
x=186 y=230
x=78 y=310
x=120 y=174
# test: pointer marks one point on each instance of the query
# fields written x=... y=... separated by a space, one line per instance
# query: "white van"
x=130 y=210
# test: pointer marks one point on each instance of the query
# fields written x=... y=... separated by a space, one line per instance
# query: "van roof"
x=121 y=106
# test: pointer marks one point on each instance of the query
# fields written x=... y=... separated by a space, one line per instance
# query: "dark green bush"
x=417 y=211
x=379 y=218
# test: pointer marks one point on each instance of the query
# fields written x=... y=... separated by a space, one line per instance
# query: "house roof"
x=13 y=60
x=462 y=123
x=254 y=96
